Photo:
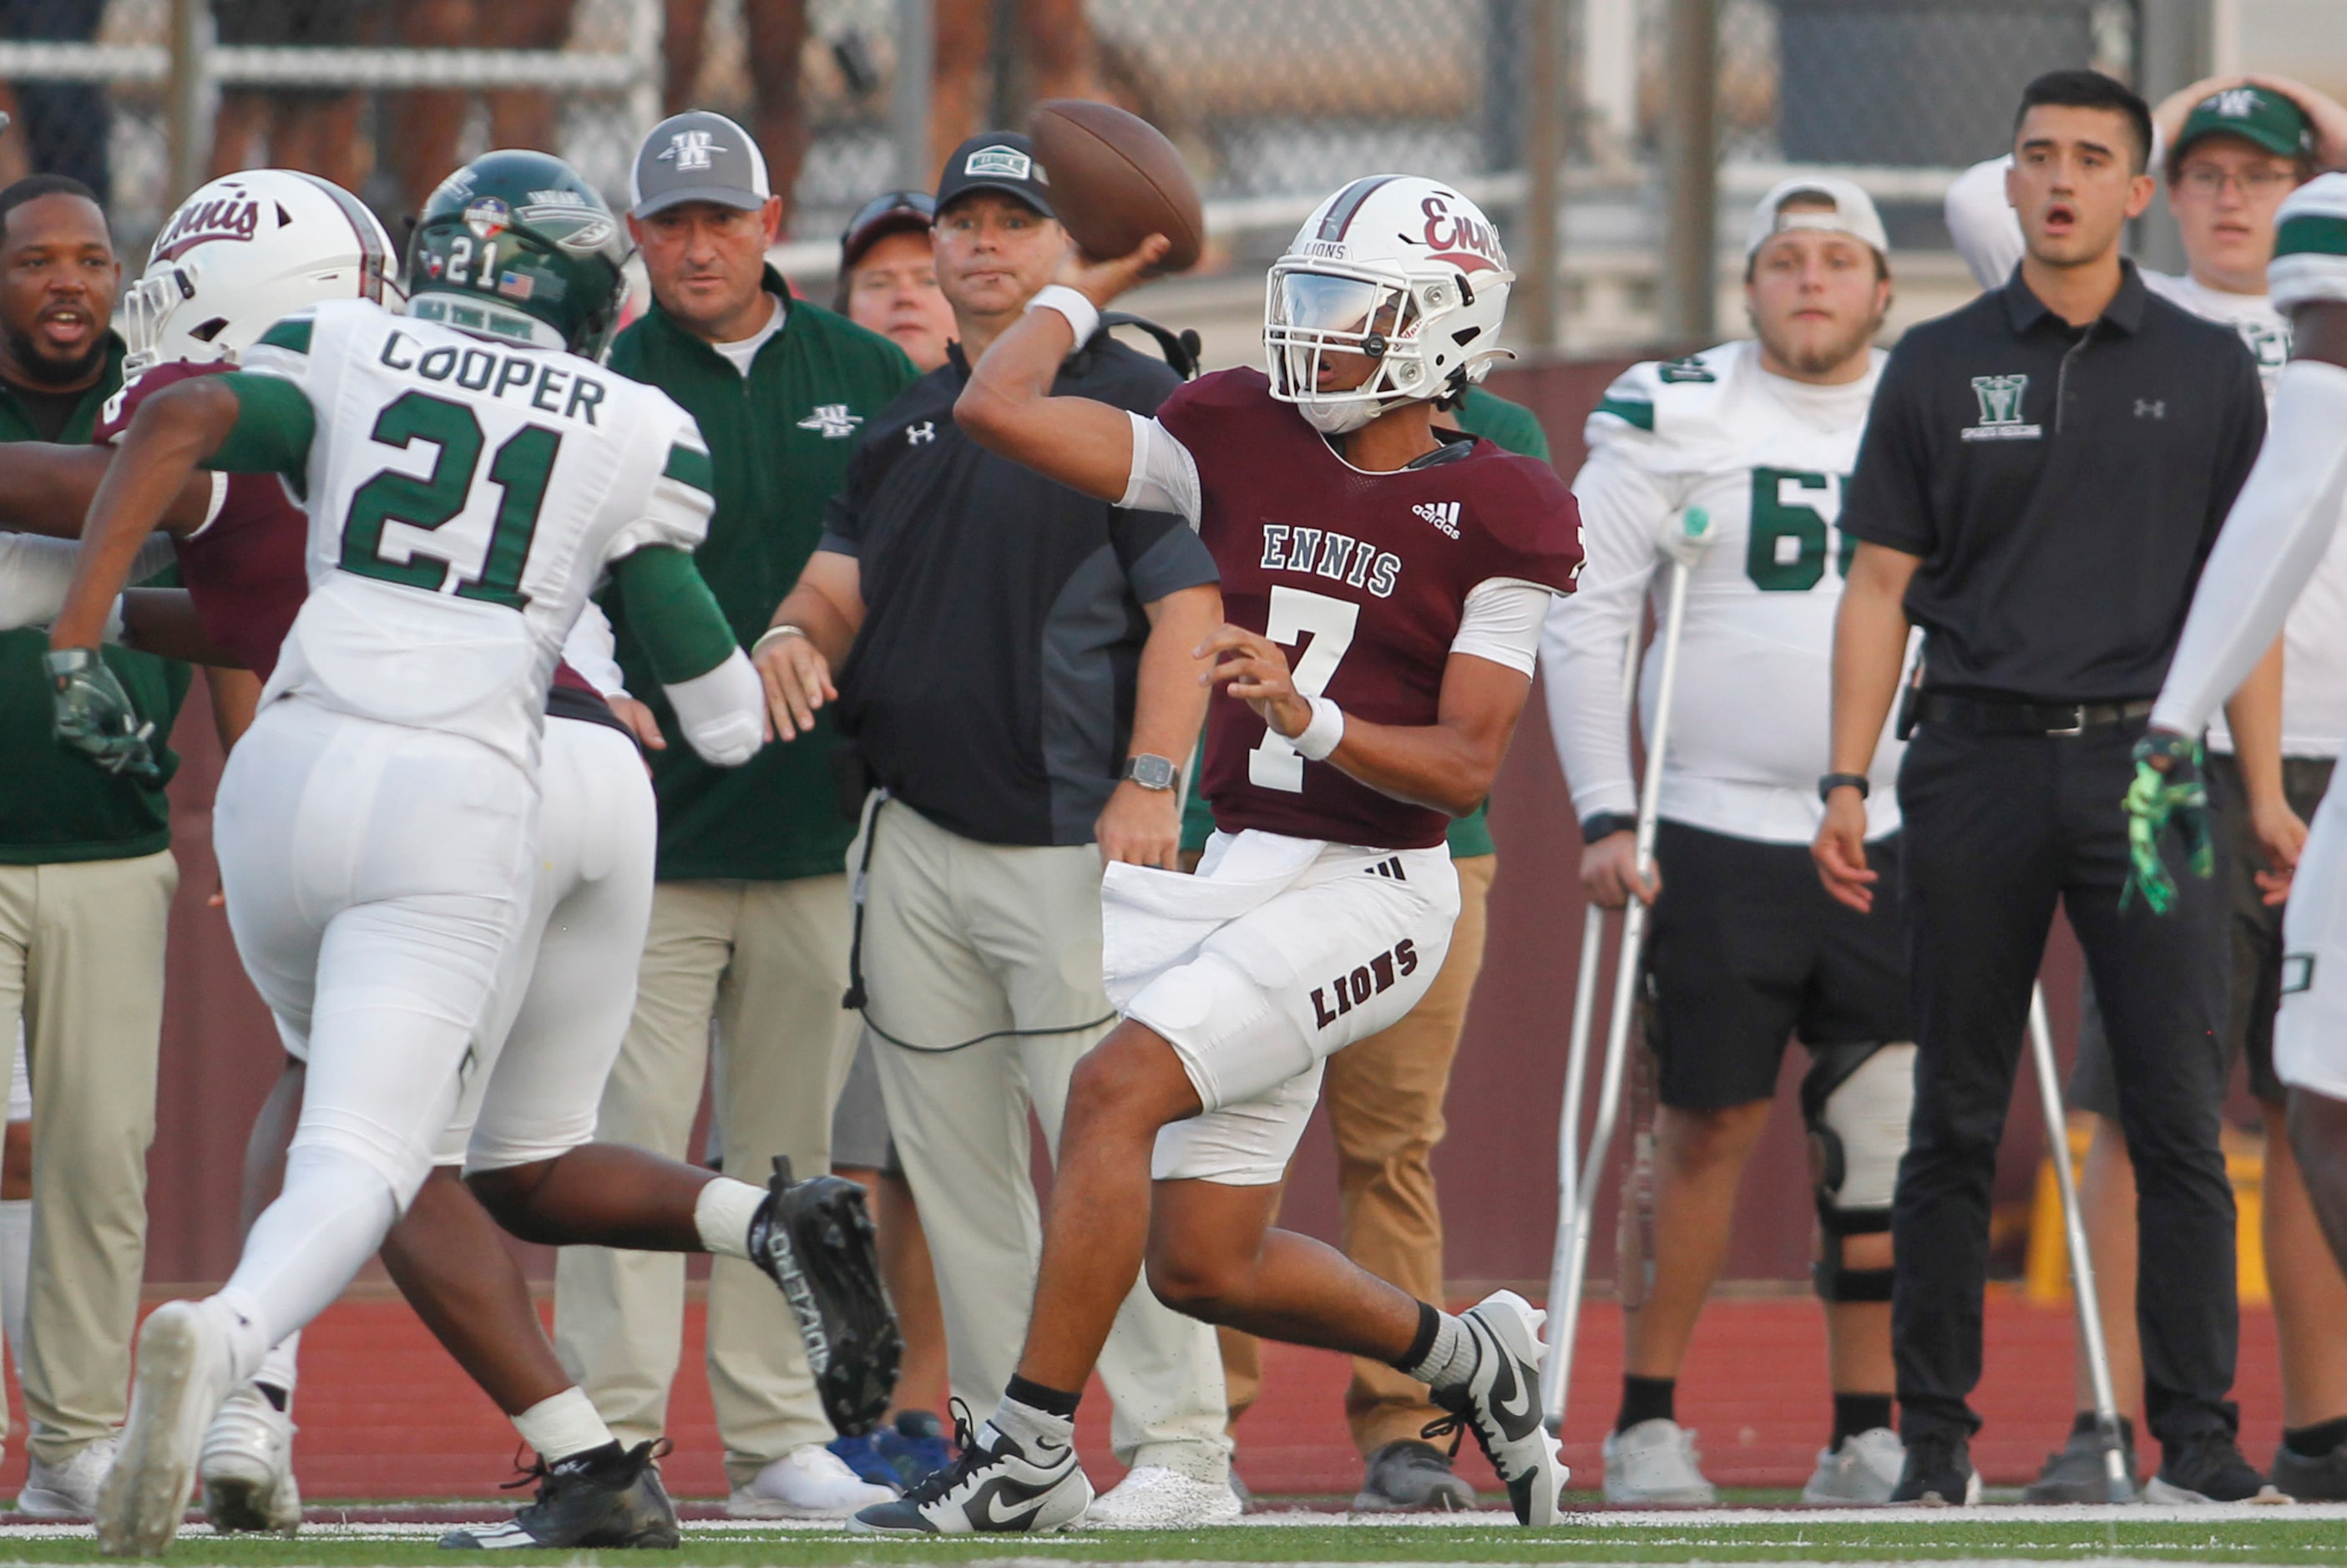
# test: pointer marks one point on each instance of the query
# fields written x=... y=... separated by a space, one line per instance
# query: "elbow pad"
x=724 y=713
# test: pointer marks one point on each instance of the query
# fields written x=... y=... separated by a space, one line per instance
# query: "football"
x=1116 y=180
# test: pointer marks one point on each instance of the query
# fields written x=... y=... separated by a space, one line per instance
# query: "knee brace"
x=1856 y=1101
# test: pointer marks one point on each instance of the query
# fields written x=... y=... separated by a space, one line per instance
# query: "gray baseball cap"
x=697 y=156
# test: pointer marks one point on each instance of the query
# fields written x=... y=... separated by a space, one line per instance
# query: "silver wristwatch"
x=1151 y=771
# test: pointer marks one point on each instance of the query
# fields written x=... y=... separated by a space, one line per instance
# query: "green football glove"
x=2168 y=791
x=93 y=715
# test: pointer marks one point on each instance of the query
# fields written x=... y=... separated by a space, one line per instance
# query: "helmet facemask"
x=1315 y=310
x=144 y=312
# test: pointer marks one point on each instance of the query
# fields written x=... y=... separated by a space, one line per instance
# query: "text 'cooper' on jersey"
x=465 y=496
x=1363 y=576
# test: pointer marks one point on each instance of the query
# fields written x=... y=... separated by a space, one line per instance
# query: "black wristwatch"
x=1833 y=782
x=1151 y=771
x=1600 y=824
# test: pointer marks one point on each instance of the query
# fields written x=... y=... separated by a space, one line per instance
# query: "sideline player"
x=1747 y=948
x=1410 y=573
x=2275 y=541
x=2235 y=147
x=401 y=716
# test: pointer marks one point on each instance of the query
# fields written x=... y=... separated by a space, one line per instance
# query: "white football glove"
x=724 y=713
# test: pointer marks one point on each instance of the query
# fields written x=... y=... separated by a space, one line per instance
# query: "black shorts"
x=2254 y=942
x=1750 y=949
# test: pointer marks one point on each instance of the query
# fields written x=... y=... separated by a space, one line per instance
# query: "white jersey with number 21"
x=465 y=496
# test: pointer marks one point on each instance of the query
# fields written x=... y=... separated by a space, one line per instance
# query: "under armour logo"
x=1443 y=514
x=2151 y=408
x=833 y=420
x=919 y=434
x=689 y=150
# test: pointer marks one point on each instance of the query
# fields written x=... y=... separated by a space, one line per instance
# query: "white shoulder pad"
x=678 y=508
x=2309 y=259
x=1661 y=414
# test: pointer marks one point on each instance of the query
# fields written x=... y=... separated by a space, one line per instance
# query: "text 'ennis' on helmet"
x=1403 y=271
x=242 y=253
x=515 y=246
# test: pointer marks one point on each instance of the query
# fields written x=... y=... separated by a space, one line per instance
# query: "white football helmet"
x=242 y=253
x=1405 y=271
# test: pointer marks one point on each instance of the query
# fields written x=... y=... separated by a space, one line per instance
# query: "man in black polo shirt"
x=2044 y=474
x=1015 y=669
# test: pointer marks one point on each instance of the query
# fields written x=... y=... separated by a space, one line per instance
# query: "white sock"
x=279 y=1370
x=721 y=1214
x=1025 y=1425
x=242 y=1316
x=16 y=1273
x=307 y=1246
x=1451 y=1361
x=562 y=1426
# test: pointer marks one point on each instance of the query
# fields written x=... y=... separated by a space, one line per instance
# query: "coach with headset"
x=1014 y=671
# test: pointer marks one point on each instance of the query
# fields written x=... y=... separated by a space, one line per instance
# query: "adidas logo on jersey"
x=1443 y=514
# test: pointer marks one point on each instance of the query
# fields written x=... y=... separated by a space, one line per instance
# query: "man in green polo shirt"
x=1385 y=1097
x=86 y=882
x=750 y=919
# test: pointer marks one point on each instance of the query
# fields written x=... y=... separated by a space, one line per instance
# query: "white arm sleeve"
x=724 y=713
x=2278 y=530
x=1165 y=475
x=36 y=573
x=1502 y=621
x=1986 y=229
x=1623 y=511
x=594 y=651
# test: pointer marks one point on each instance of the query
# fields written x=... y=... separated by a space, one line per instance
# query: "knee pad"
x=1856 y=1101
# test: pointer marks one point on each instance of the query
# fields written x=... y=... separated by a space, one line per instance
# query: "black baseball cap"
x=890 y=212
x=1000 y=160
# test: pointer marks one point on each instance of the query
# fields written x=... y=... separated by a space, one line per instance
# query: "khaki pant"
x=1385 y=1106
x=81 y=958
x=963 y=939
x=767 y=961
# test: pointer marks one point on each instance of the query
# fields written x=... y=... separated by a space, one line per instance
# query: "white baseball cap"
x=1852 y=213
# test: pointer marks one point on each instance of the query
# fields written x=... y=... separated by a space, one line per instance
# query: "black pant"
x=1997 y=828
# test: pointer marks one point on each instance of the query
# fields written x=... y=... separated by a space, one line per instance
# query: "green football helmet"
x=516 y=245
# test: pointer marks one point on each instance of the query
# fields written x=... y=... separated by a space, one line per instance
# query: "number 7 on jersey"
x=1329 y=622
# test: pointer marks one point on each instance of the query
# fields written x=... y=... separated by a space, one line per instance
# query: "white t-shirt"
x=1987 y=234
x=744 y=352
x=1767 y=458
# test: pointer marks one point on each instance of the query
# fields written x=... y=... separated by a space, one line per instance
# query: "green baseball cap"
x=2258 y=116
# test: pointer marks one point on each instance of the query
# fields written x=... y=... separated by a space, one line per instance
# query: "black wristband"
x=1600 y=824
x=1833 y=782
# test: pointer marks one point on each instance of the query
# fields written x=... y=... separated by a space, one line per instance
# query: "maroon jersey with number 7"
x=1362 y=578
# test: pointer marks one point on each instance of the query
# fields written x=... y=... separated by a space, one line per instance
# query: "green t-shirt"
x=55 y=805
x=779 y=441
x=1513 y=427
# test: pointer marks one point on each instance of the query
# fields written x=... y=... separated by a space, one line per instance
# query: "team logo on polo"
x=832 y=420
x=689 y=150
x=2001 y=400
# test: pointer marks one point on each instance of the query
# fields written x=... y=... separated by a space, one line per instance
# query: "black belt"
x=1995 y=718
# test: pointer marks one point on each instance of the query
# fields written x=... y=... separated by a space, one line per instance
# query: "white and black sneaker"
x=1501 y=1405
x=994 y=1487
x=609 y=1497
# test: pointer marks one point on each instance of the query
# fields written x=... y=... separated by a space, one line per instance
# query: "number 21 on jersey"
x=1329 y=623
x=520 y=470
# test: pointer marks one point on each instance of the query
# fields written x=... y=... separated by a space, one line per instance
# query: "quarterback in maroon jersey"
x=1384 y=585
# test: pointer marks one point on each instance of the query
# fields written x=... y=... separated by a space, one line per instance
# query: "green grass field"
x=2286 y=1535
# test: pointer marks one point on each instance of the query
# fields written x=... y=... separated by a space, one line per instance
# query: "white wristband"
x=1322 y=736
x=1081 y=314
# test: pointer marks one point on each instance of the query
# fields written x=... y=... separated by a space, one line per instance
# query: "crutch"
x=2119 y=1486
x=1577 y=1188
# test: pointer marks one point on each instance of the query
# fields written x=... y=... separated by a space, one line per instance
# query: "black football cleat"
x=813 y=1239
x=592 y=1500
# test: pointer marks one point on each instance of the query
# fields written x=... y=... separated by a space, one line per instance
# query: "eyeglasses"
x=2208 y=179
